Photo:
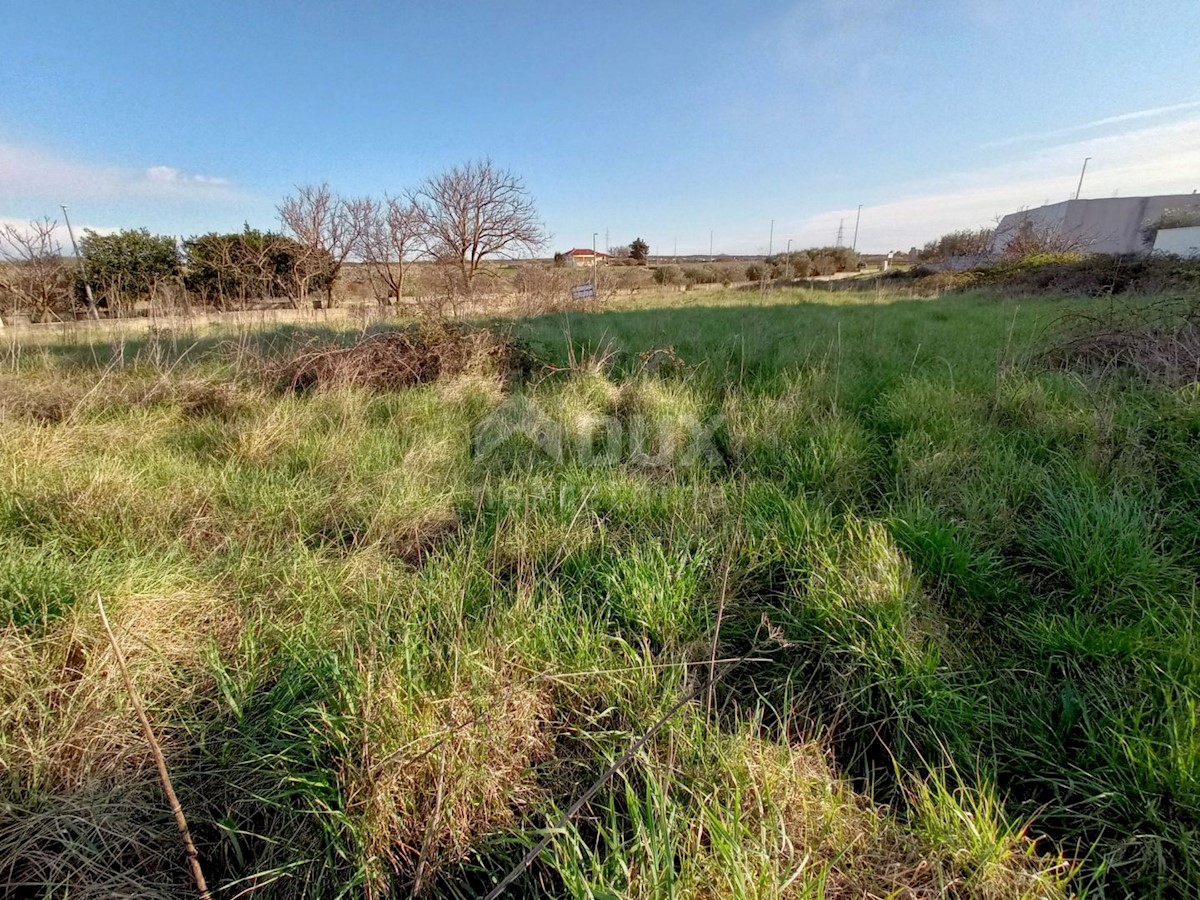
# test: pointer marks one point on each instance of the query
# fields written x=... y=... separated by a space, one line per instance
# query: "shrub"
x=703 y=274
x=824 y=265
x=238 y=267
x=669 y=275
x=956 y=244
x=728 y=273
x=128 y=266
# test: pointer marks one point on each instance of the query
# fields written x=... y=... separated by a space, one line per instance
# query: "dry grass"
x=436 y=774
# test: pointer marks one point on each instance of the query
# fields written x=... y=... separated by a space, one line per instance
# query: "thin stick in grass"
x=156 y=751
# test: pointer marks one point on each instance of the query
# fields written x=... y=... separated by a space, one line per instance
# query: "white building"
x=1112 y=225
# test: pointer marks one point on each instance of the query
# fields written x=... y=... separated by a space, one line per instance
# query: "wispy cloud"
x=28 y=173
x=170 y=199
x=22 y=227
x=1123 y=118
x=816 y=39
x=1156 y=159
x=171 y=175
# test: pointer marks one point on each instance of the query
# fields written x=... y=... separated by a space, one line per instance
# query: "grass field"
x=932 y=605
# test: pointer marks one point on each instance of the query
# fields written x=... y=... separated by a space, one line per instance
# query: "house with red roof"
x=586 y=257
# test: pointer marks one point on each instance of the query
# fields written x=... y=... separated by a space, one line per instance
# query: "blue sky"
x=660 y=120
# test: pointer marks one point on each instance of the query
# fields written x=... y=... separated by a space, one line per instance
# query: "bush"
x=702 y=274
x=813 y=261
x=128 y=266
x=1064 y=273
x=669 y=275
x=957 y=244
x=250 y=265
x=824 y=265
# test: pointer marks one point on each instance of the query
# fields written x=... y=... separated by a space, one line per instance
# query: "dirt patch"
x=391 y=360
x=1160 y=346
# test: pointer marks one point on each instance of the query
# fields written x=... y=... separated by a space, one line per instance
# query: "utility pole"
x=1081 y=173
x=595 y=234
x=710 y=253
x=675 y=251
x=770 y=249
x=841 y=230
x=787 y=266
x=854 y=246
x=87 y=285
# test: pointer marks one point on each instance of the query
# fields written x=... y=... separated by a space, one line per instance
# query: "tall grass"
x=382 y=654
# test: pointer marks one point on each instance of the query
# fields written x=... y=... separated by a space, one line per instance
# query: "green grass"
x=385 y=639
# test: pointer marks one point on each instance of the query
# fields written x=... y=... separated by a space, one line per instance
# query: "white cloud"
x=1160 y=159
x=33 y=174
x=162 y=174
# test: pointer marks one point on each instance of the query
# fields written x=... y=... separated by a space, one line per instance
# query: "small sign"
x=583 y=291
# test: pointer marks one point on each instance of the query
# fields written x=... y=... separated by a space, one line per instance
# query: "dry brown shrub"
x=1160 y=344
x=391 y=360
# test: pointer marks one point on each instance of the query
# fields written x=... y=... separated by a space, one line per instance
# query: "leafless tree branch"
x=33 y=271
x=475 y=211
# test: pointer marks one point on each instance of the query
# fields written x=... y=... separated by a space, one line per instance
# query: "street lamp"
x=87 y=285
x=1084 y=169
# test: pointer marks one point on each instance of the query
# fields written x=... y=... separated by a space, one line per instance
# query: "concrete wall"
x=1043 y=218
x=1111 y=225
x=1180 y=241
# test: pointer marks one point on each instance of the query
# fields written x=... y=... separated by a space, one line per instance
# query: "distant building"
x=1111 y=225
x=586 y=257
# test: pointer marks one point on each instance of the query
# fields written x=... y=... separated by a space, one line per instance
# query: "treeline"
x=806 y=263
x=116 y=272
x=456 y=221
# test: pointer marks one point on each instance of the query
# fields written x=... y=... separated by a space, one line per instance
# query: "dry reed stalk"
x=164 y=776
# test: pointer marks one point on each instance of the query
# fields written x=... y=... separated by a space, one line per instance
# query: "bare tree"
x=475 y=211
x=32 y=269
x=393 y=237
x=330 y=228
